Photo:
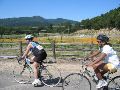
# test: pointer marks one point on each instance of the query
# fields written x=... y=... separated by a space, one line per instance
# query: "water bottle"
x=28 y=61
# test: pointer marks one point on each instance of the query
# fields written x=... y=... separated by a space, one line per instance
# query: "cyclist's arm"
x=29 y=54
x=27 y=50
x=100 y=58
x=95 y=53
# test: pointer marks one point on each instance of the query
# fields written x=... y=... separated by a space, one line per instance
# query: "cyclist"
x=39 y=55
x=107 y=60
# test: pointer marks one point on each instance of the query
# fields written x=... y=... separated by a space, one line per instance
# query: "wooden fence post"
x=53 y=49
x=20 y=48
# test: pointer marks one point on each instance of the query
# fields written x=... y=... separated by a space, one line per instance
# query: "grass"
x=83 y=39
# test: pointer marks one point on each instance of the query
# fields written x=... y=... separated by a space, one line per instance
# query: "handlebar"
x=25 y=60
x=84 y=62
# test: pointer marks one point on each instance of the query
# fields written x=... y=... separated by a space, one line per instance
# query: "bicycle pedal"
x=104 y=77
x=105 y=88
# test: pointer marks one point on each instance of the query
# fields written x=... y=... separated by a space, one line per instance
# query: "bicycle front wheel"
x=22 y=74
x=76 y=81
x=114 y=84
x=50 y=76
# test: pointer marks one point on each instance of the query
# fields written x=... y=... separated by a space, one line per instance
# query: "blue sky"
x=52 y=9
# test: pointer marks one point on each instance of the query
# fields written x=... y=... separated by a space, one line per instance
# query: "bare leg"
x=97 y=68
x=35 y=68
x=98 y=74
x=36 y=71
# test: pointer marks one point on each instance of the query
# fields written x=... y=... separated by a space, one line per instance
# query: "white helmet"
x=29 y=37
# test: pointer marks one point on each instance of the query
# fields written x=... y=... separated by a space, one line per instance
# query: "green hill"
x=36 y=24
x=32 y=21
x=108 y=20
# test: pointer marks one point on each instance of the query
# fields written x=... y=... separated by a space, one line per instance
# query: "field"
x=81 y=36
x=77 y=44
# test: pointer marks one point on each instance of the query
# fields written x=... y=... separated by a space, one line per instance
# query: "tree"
x=2 y=31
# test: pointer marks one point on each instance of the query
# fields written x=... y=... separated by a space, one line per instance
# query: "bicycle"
x=48 y=74
x=81 y=81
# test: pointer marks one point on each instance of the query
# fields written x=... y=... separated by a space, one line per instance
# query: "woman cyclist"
x=39 y=55
x=107 y=60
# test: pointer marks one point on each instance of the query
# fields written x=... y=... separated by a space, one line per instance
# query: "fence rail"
x=55 y=50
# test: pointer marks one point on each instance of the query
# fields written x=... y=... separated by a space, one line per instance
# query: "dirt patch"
x=65 y=67
x=9 y=65
x=6 y=65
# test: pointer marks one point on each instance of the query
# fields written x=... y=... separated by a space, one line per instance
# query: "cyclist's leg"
x=37 y=61
x=105 y=70
x=97 y=69
x=35 y=69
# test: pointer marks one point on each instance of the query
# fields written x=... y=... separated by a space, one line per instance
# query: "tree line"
x=108 y=20
x=38 y=24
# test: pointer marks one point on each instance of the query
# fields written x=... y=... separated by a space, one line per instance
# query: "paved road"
x=7 y=83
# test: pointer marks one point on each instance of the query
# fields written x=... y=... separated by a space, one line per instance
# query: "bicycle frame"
x=89 y=74
x=85 y=72
x=84 y=78
x=48 y=74
x=27 y=65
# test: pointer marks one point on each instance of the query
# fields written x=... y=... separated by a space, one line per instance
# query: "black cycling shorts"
x=41 y=56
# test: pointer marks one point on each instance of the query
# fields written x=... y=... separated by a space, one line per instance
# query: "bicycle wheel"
x=50 y=75
x=114 y=84
x=23 y=75
x=76 y=81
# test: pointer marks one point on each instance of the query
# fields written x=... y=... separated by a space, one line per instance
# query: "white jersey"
x=111 y=55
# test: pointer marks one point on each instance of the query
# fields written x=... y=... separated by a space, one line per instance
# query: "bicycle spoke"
x=50 y=76
x=114 y=84
x=76 y=82
x=22 y=74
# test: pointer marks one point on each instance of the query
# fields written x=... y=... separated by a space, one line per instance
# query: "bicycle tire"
x=76 y=81
x=22 y=75
x=50 y=76
x=114 y=83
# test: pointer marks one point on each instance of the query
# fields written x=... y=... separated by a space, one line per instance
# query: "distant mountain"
x=32 y=21
x=60 y=20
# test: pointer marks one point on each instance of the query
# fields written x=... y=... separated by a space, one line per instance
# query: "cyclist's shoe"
x=101 y=83
x=36 y=82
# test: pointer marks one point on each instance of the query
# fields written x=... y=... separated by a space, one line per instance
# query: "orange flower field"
x=60 y=39
x=56 y=39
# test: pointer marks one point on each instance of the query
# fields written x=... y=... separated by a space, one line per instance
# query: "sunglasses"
x=99 y=41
